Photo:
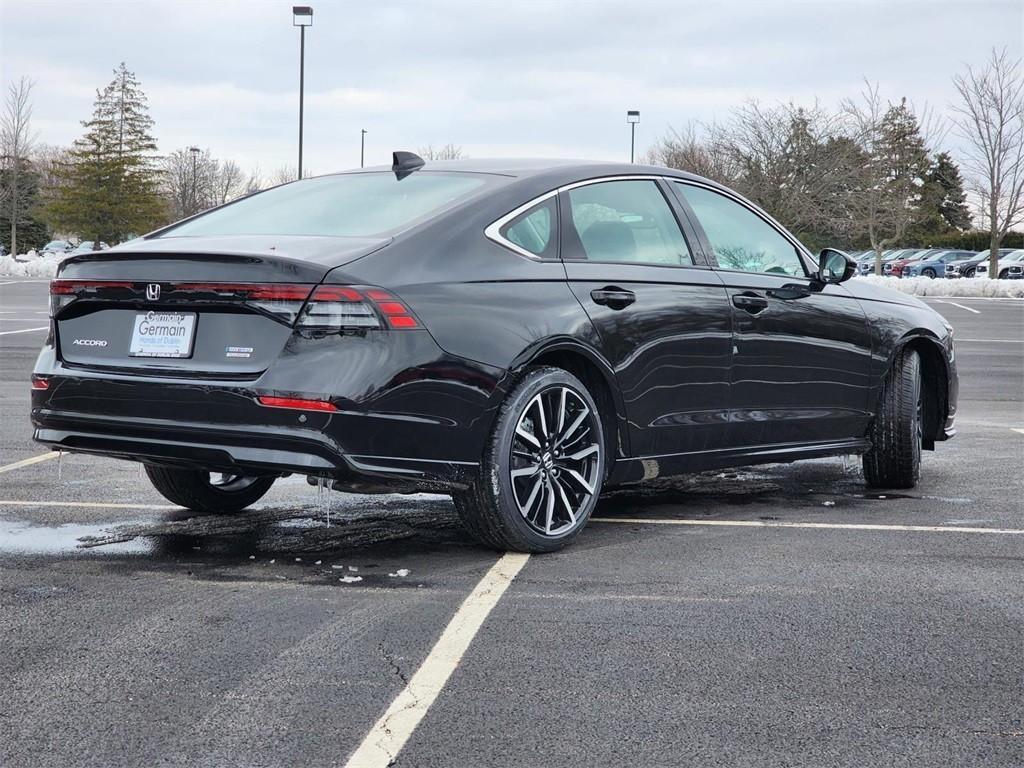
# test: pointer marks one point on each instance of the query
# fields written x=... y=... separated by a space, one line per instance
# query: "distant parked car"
x=968 y=267
x=895 y=268
x=1011 y=266
x=57 y=246
x=933 y=263
x=3 y=249
x=868 y=266
x=86 y=246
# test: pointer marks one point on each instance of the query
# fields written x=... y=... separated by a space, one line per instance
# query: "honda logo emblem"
x=153 y=291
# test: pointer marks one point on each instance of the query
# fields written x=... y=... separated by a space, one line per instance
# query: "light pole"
x=194 y=208
x=632 y=117
x=362 y=148
x=302 y=17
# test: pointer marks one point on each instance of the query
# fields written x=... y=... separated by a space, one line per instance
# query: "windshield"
x=343 y=205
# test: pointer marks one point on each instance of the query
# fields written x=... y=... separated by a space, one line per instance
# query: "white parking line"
x=779 y=524
x=385 y=740
x=24 y=330
x=29 y=462
x=961 y=306
x=995 y=341
x=82 y=504
x=1016 y=429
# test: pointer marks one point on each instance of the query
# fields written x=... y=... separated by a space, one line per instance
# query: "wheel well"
x=600 y=389
x=935 y=389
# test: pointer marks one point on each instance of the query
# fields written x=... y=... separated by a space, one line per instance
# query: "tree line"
x=871 y=173
x=111 y=184
x=867 y=173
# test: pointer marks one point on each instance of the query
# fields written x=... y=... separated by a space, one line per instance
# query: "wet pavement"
x=671 y=633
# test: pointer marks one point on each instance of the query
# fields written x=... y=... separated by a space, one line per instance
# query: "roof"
x=537 y=166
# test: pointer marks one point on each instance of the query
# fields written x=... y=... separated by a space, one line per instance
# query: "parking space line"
x=836 y=526
x=386 y=738
x=969 y=309
x=82 y=504
x=24 y=330
x=994 y=341
x=1017 y=429
x=30 y=461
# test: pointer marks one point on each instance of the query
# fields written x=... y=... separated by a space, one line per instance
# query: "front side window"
x=626 y=221
x=741 y=239
x=343 y=205
x=534 y=229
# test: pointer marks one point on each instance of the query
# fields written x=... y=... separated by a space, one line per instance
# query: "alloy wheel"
x=555 y=460
x=228 y=482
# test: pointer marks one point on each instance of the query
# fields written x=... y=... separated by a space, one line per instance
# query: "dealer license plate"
x=163 y=334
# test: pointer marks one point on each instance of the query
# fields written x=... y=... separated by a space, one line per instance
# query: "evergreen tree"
x=110 y=188
x=953 y=204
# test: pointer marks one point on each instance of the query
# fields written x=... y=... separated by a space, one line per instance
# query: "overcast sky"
x=514 y=78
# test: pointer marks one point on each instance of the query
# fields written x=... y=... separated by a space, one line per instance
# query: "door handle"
x=613 y=297
x=750 y=302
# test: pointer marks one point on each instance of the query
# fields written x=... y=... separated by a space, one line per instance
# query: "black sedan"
x=518 y=334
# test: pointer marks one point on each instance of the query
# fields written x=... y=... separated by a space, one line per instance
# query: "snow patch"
x=32 y=265
x=964 y=287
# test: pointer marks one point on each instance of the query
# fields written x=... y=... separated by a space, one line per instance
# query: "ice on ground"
x=964 y=287
x=31 y=265
x=350 y=579
x=400 y=573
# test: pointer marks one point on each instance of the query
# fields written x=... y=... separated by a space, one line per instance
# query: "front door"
x=802 y=350
x=662 y=315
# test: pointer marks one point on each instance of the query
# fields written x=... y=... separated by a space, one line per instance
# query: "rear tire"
x=210 y=492
x=542 y=468
x=894 y=460
x=928 y=272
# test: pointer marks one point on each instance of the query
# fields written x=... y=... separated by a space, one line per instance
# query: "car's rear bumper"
x=250 y=451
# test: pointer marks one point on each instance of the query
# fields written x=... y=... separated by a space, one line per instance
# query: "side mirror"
x=834 y=266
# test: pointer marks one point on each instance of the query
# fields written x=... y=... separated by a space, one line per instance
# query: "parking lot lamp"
x=362 y=148
x=632 y=117
x=302 y=17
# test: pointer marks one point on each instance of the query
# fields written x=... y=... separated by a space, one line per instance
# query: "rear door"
x=662 y=314
x=802 y=349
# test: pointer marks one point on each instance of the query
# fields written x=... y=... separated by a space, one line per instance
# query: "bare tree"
x=990 y=118
x=447 y=152
x=696 y=148
x=228 y=183
x=884 y=194
x=190 y=180
x=254 y=183
x=16 y=143
x=284 y=174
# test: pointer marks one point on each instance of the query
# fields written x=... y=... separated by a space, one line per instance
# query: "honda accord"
x=518 y=334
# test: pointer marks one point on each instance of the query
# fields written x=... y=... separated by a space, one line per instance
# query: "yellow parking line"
x=836 y=526
x=29 y=462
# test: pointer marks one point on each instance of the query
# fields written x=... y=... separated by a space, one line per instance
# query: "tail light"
x=63 y=292
x=284 y=300
x=40 y=382
x=334 y=308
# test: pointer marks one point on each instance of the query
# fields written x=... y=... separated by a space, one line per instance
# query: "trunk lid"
x=217 y=307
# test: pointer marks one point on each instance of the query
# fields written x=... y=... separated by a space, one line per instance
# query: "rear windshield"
x=345 y=205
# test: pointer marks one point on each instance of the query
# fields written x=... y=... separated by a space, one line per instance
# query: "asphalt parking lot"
x=778 y=615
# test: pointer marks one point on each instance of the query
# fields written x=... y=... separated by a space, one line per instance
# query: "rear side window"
x=741 y=239
x=344 y=205
x=534 y=229
x=627 y=221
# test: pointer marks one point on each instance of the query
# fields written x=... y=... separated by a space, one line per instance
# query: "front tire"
x=894 y=460
x=928 y=272
x=214 y=493
x=542 y=469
